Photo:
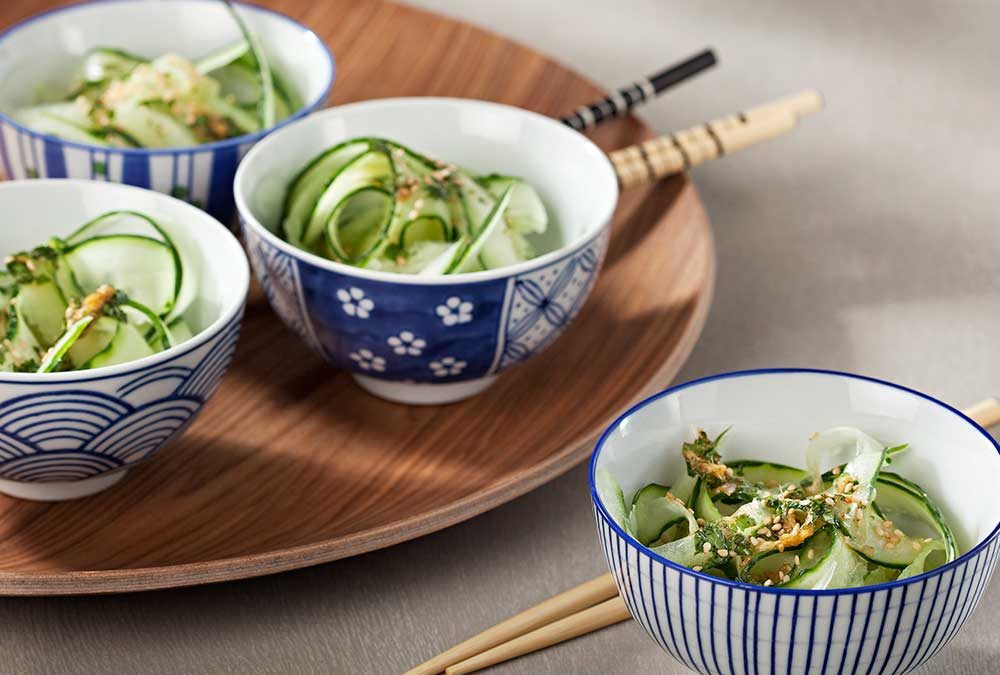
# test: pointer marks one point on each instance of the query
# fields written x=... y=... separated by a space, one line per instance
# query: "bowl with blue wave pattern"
x=715 y=625
x=434 y=339
x=41 y=56
x=69 y=434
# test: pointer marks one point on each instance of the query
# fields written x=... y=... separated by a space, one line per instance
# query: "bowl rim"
x=248 y=218
x=644 y=551
x=235 y=141
x=226 y=315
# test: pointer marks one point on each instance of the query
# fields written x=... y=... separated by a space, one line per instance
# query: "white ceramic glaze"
x=470 y=327
x=715 y=626
x=69 y=434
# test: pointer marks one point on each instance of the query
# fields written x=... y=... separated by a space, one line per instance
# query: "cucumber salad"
x=374 y=203
x=124 y=100
x=761 y=523
x=113 y=291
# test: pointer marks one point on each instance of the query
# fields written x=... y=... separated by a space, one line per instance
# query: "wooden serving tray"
x=291 y=464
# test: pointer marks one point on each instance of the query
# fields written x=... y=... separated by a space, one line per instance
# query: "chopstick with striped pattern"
x=584 y=609
x=695 y=145
x=621 y=101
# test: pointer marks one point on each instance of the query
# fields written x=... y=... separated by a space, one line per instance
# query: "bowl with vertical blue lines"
x=715 y=625
x=73 y=433
x=43 y=54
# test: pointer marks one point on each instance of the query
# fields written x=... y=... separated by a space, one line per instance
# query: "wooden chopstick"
x=563 y=605
x=588 y=621
x=552 y=621
x=640 y=91
x=690 y=147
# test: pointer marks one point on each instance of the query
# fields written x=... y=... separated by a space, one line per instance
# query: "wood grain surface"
x=291 y=464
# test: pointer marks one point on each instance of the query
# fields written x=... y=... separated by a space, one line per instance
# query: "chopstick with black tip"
x=620 y=102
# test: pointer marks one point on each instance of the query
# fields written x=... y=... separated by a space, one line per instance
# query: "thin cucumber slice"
x=610 y=494
x=898 y=496
x=477 y=203
x=221 y=57
x=157 y=333
x=153 y=128
x=445 y=260
x=265 y=106
x=310 y=184
x=423 y=229
x=105 y=63
x=371 y=169
x=704 y=507
x=684 y=487
x=526 y=213
x=768 y=474
x=57 y=353
x=245 y=122
x=493 y=221
x=880 y=575
x=93 y=341
x=861 y=455
x=145 y=269
x=119 y=222
x=44 y=121
x=359 y=223
x=42 y=307
x=22 y=346
x=869 y=539
x=920 y=564
x=652 y=513
x=128 y=344
x=240 y=82
x=179 y=331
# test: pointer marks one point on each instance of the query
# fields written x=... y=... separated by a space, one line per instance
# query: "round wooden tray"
x=292 y=465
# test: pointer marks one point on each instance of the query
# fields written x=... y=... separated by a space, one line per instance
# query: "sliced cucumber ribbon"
x=101 y=296
x=377 y=204
x=121 y=99
x=776 y=525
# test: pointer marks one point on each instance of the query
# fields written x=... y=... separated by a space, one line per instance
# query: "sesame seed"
x=797 y=560
x=763 y=531
x=836 y=471
x=706 y=547
x=723 y=553
x=879 y=531
x=916 y=545
x=700 y=521
x=810 y=554
x=891 y=545
x=776 y=527
x=829 y=500
x=768 y=582
x=697 y=568
x=898 y=532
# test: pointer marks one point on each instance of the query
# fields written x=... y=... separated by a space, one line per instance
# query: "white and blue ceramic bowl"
x=70 y=434
x=434 y=339
x=717 y=626
x=43 y=53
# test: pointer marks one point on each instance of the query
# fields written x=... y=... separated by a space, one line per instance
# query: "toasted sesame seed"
x=898 y=532
x=768 y=582
x=810 y=554
x=916 y=545
x=829 y=500
x=706 y=547
x=763 y=531
x=836 y=471
x=776 y=527
x=723 y=553
x=879 y=531
x=697 y=568
x=797 y=560
x=891 y=545
x=700 y=521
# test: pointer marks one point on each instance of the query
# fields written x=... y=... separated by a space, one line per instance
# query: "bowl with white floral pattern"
x=421 y=339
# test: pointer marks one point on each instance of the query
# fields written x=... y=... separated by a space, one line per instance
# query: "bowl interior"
x=573 y=176
x=772 y=416
x=39 y=58
x=37 y=210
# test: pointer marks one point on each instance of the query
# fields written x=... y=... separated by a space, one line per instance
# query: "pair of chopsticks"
x=584 y=609
x=679 y=151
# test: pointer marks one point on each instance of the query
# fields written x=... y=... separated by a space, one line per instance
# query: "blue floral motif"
x=425 y=332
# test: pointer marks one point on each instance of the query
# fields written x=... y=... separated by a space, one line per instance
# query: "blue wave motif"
x=75 y=434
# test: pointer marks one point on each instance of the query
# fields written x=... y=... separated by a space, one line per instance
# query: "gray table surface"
x=867 y=240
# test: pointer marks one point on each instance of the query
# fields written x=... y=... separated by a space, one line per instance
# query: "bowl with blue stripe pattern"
x=434 y=339
x=44 y=52
x=70 y=434
x=717 y=626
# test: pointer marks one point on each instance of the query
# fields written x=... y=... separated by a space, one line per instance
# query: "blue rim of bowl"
x=226 y=316
x=249 y=220
x=206 y=147
x=937 y=571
